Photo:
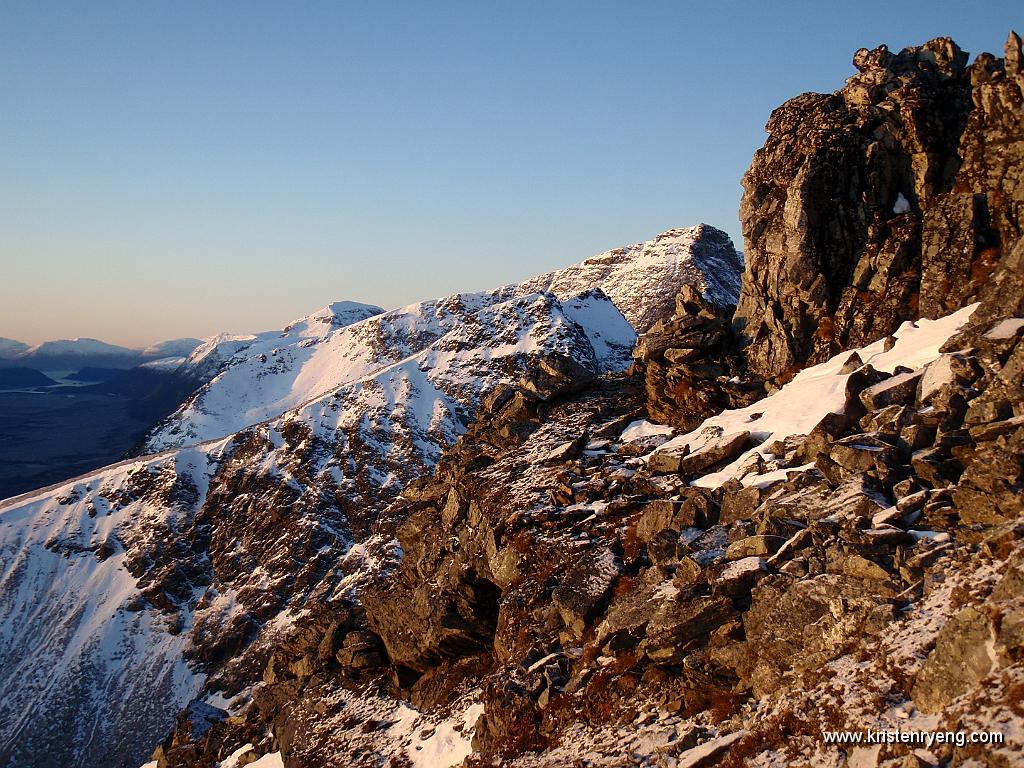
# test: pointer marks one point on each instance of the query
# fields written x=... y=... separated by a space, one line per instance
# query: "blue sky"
x=177 y=169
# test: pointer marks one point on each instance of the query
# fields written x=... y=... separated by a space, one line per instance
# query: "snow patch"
x=639 y=429
x=798 y=407
x=1005 y=329
x=272 y=760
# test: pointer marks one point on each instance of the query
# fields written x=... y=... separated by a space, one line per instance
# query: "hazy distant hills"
x=75 y=354
x=11 y=348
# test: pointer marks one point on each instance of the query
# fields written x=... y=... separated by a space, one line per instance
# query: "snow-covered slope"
x=643 y=279
x=85 y=661
x=224 y=350
x=220 y=350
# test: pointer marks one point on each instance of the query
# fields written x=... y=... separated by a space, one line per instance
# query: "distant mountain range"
x=74 y=354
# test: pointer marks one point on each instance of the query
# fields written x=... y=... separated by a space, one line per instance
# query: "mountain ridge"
x=701 y=255
x=160 y=528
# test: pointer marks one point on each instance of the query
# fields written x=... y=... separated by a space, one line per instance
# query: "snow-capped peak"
x=83 y=347
x=644 y=278
x=335 y=315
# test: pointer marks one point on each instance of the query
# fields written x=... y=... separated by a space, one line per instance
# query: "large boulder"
x=689 y=365
x=585 y=588
x=960 y=660
x=803 y=625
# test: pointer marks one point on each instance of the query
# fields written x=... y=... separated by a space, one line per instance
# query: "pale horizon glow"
x=189 y=169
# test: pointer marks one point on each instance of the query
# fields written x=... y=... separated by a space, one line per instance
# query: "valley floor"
x=47 y=437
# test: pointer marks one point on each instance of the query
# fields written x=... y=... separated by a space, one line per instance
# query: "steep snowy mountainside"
x=217 y=352
x=643 y=279
x=206 y=553
x=85 y=661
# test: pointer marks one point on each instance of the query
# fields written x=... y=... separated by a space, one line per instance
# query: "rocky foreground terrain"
x=707 y=544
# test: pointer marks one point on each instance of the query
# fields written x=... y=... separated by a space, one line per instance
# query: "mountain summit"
x=643 y=279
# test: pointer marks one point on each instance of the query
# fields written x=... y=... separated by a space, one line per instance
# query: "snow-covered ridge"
x=223 y=350
x=80 y=651
x=254 y=378
x=456 y=338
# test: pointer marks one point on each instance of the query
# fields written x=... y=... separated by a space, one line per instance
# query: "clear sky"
x=177 y=169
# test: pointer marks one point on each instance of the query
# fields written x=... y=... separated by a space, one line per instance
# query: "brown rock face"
x=891 y=199
x=961 y=660
x=689 y=363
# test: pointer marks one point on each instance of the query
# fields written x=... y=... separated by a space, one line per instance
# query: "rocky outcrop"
x=891 y=199
x=690 y=365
